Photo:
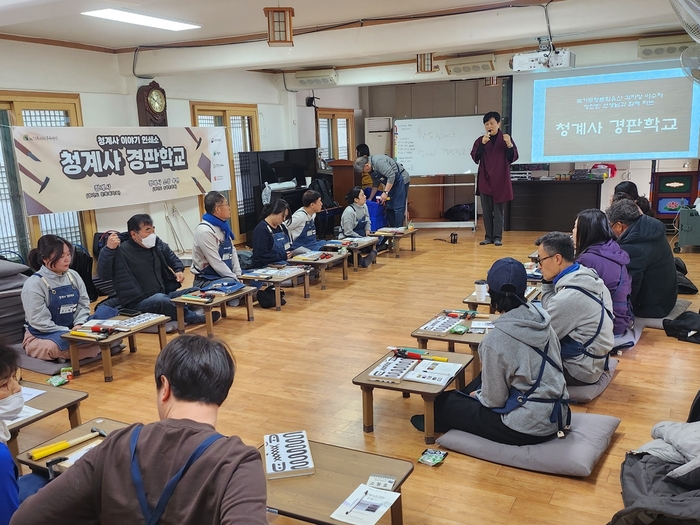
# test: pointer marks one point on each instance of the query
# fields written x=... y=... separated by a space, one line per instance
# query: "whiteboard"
x=437 y=146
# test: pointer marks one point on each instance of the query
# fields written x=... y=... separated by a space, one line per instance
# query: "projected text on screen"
x=625 y=116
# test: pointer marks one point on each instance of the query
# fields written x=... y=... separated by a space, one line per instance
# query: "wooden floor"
x=295 y=369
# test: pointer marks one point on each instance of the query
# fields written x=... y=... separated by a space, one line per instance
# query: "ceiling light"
x=279 y=26
x=424 y=63
x=141 y=20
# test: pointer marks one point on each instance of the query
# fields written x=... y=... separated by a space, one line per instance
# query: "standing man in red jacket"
x=494 y=153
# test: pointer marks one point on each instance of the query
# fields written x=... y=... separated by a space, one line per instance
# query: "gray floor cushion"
x=629 y=338
x=681 y=306
x=51 y=368
x=584 y=394
x=574 y=455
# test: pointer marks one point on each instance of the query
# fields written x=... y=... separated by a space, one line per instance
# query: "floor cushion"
x=584 y=394
x=51 y=368
x=681 y=306
x=574 y=455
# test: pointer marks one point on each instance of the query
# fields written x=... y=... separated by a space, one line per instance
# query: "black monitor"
x=259 y=167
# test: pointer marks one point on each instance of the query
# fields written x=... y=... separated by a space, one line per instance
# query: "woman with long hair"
x=596 y=248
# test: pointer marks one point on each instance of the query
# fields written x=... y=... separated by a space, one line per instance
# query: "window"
x=19 y=234
x=242 y=125
x=335 y=136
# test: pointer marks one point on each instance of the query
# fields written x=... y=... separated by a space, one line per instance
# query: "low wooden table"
x=533 y=256
x=339 y=471
x=108 y=425
x=397 y=239
x=105 y=344
x=217 y=302
x=357 y=244
x=473 y=340
x=428 y=392
x=277 y=279
x=54 y=400
x=323 y=264
x=531 y=292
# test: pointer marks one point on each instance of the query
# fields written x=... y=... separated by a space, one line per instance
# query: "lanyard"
x=152 y=516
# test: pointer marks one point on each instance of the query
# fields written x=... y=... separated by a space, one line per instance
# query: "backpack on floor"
x=685 y=327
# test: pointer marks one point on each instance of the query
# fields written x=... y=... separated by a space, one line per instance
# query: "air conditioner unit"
x=316 y=79
x=378 y=135
x=663 y=47
x=475 y=65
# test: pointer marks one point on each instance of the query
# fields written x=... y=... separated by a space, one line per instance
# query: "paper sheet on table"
x=26 y=413
x=482 y=324
x=29 y=393
x=365 y=506
x=75 y=456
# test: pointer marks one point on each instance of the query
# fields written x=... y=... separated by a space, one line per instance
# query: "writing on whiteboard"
x=434 y=146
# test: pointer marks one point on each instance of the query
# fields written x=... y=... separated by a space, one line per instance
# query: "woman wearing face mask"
x=11 y=404
x=55 y=301
x=271 y=243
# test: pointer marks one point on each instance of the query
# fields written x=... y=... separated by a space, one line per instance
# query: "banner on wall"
x=75 y=169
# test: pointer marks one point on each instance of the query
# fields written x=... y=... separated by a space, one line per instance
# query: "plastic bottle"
x=266 y=194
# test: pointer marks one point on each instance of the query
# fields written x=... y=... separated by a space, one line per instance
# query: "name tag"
x=311 y=233
x=67 y=308
x=226 y=257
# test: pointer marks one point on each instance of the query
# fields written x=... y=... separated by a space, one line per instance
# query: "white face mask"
x=10 y=407
x=150 y=241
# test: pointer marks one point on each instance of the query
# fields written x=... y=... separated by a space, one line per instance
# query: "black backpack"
x=324 y=189
x=685 y=327
x=460 y=212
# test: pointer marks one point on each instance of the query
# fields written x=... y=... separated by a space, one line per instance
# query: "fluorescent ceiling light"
x=141 y=20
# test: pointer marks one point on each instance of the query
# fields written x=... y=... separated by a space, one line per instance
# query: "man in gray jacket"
x=580 y=306
x=396 y=180
x=515 y=400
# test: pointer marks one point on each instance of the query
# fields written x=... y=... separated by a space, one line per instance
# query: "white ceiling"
x=502 y=29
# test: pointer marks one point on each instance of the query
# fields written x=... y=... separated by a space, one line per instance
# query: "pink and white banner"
x=74 y=169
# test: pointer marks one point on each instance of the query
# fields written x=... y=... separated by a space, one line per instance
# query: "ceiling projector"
x=543 y=60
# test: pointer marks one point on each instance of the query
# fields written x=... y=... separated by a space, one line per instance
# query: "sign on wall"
x=75 y=169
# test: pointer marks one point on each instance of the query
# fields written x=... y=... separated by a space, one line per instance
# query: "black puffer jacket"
x=112 y=266
x=651 y=267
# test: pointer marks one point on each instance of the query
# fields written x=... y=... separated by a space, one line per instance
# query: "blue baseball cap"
x=507 y=275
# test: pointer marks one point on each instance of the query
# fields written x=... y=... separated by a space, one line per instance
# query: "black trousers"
x=455 y=409
x=492 y=214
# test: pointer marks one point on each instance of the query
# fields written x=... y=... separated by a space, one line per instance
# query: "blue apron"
x=398 y=190
x=281 y=243
x=63 y=303
x=153 y=515
x=571 y=349
x=226 y=255
x=361 y=227
x=307 y=237
x=516 y=399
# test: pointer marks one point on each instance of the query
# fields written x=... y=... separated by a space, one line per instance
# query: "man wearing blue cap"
x=515 y=400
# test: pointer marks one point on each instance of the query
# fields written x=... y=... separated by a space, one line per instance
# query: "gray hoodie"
x=507 y=359
x=577 y=315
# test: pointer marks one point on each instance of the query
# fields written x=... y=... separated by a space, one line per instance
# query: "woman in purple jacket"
x=596 y=248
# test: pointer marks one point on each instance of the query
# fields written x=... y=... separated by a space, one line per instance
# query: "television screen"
x=287 y=165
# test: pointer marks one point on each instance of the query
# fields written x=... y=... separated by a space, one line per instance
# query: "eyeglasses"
x=539 y=261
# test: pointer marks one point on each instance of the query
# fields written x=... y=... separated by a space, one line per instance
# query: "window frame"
x=226 y=111
x=18 y=101
x=334 y=114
